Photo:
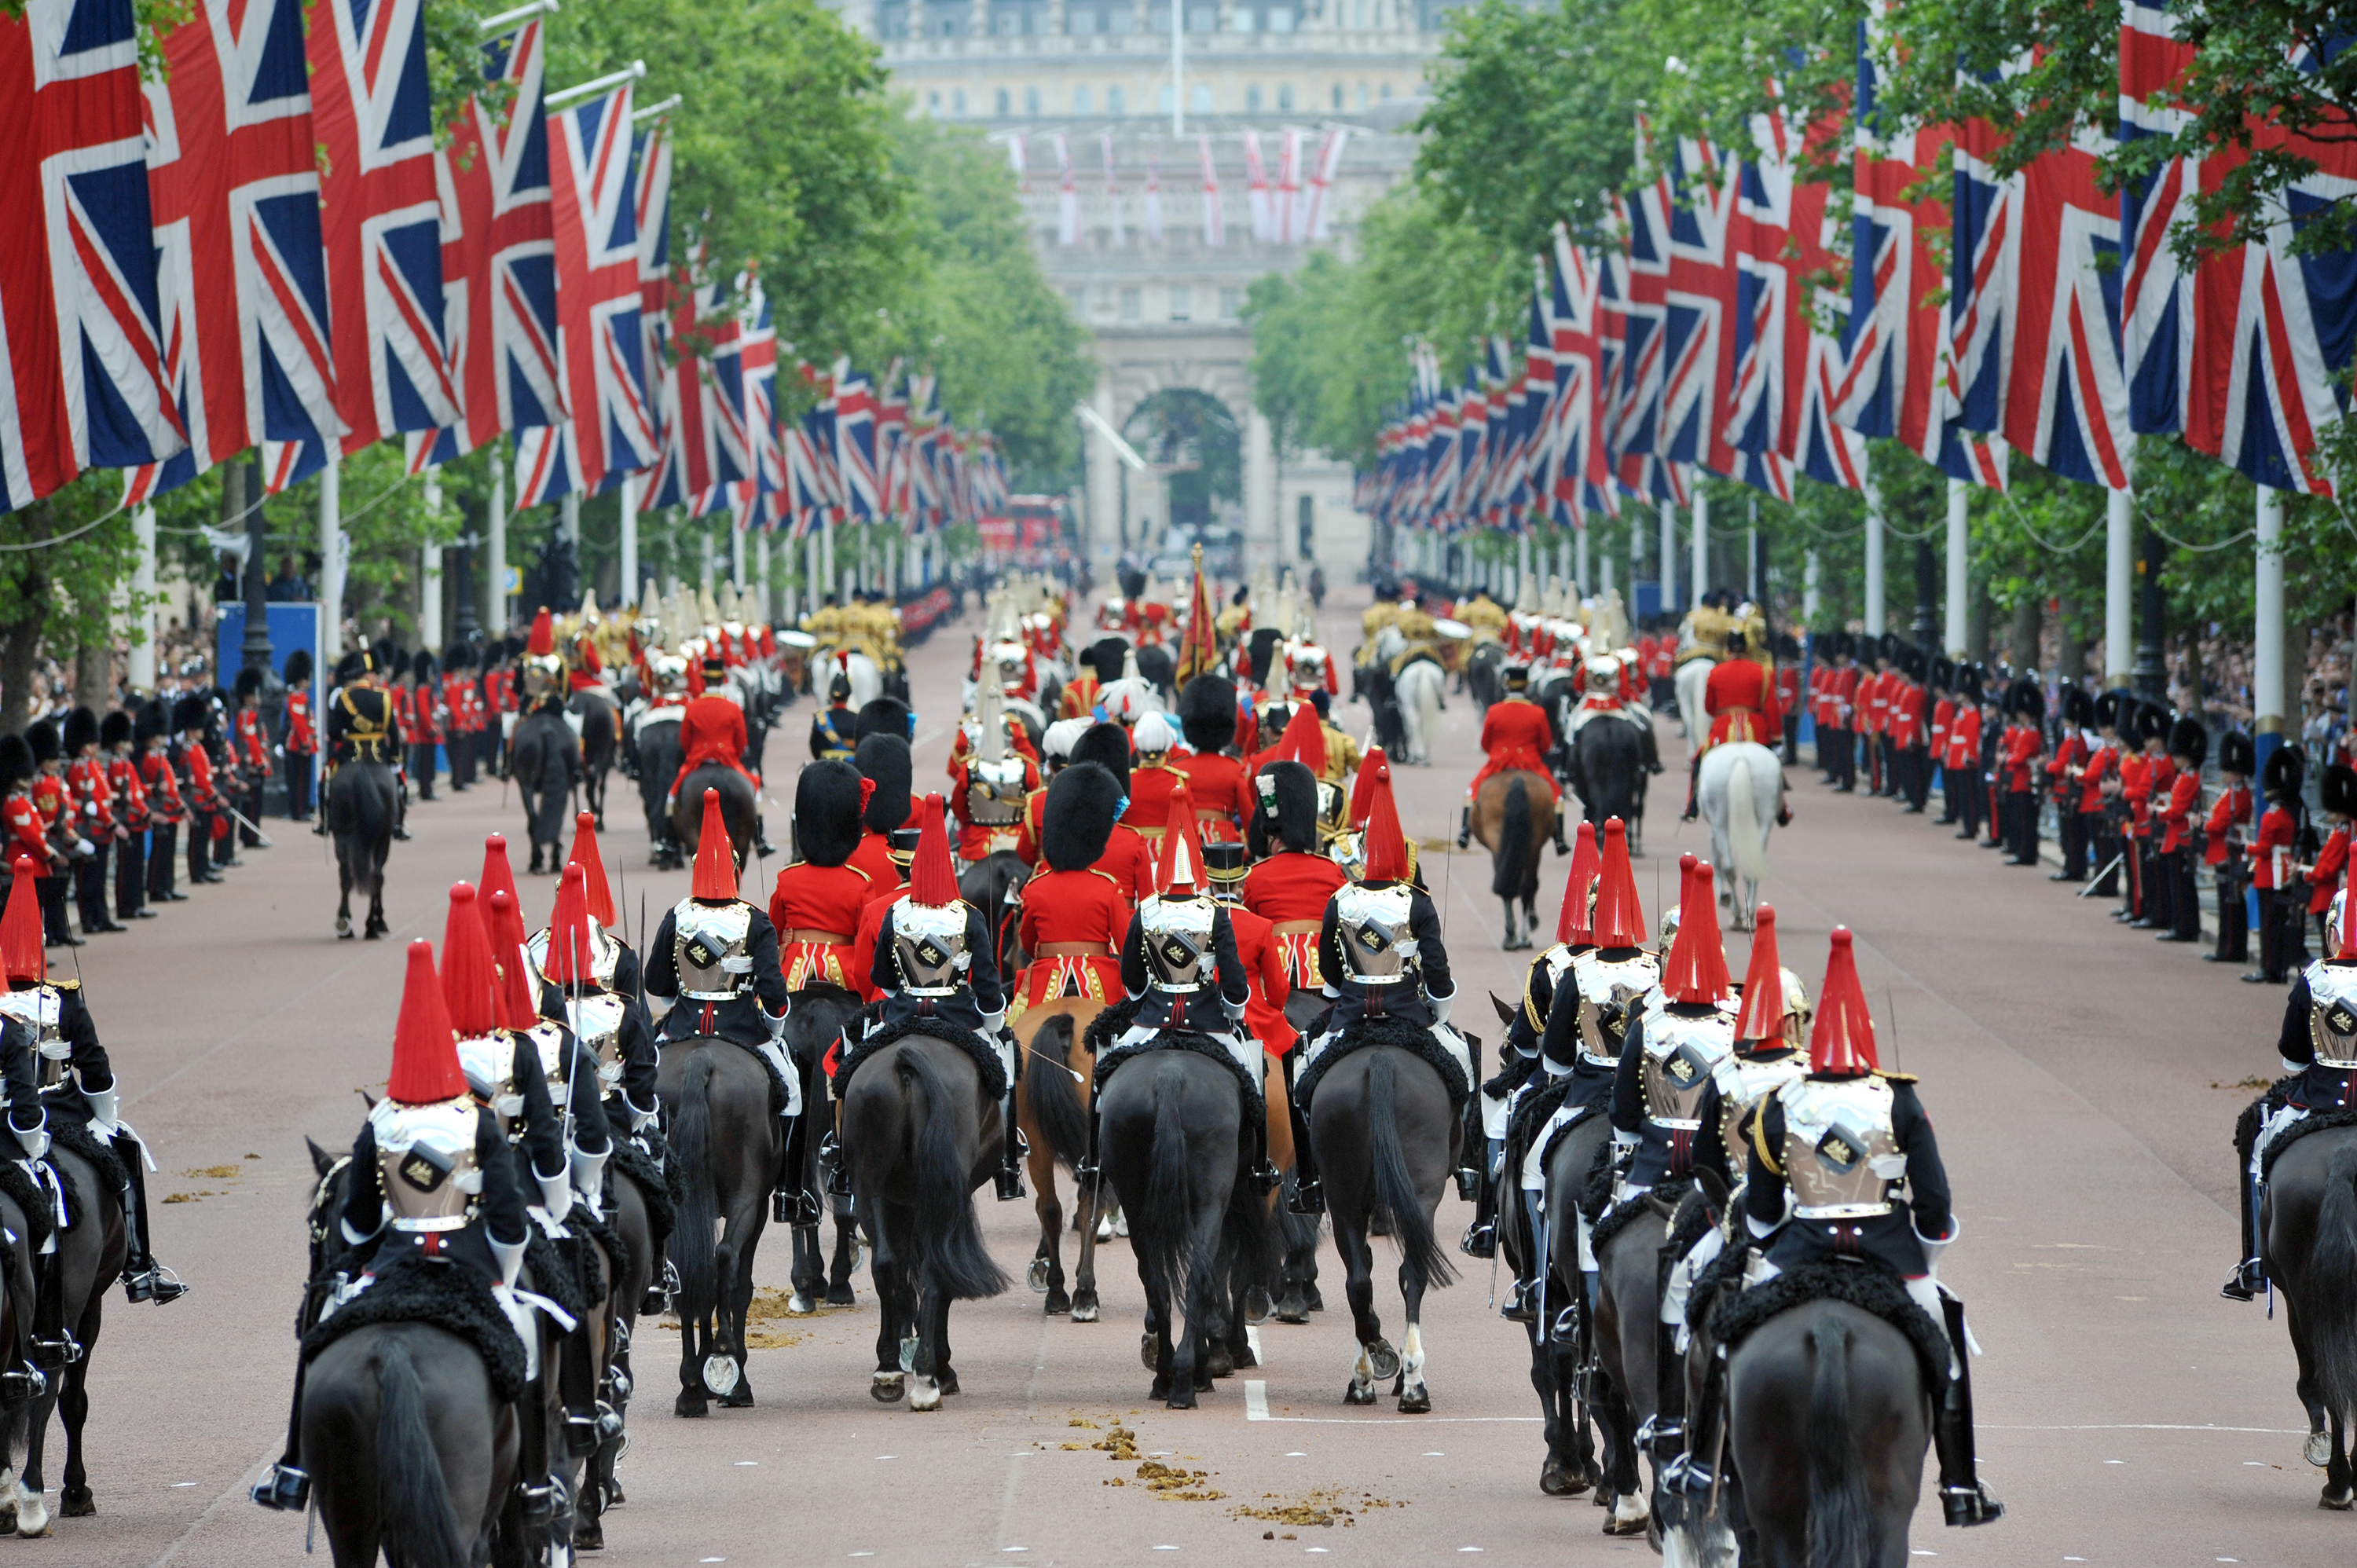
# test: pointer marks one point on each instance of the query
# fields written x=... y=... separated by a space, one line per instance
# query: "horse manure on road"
x=1167 y=1482
x=213 y=1173
x=769 y=1305
x=1322 y=1508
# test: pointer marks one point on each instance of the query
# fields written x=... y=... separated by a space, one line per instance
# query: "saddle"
x=2315 y=1122
x=1867 y=1287
x=451 y=1297
x=1102 y=1040
x=1620 y=1215
x=1383 y=1031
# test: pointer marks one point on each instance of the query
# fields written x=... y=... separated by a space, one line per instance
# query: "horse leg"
x=808 y=1274
x=1084 y=1283
x=32 y=1510
x=924 y=1375
x=1048 y=1267
x=945 y=1369
x=888 y=1381
x=1414 y=1397
x=1359 y=1288
x=733 y=1298
x=691 y=1400
x=2336 y=1493
x=377 y=924
x=838 y=1283
x=74 y=1500
x=344 y=904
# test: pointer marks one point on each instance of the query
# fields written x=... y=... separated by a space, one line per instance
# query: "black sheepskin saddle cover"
x=661 y=1189
x=1382 y=1031
x=449 y=1295
x=1112 y=1055
x=985 y=1058
x=1867 y=1287
x=2308 y=1126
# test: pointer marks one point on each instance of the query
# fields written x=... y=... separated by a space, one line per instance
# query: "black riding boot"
x=1962 y=1497
x=1087 y=1171
x=2249 y=1277
x=1308 y=1194
x=1474 y=1147
x=1011 y=1150
x=796 y=1204
x=285 y=1485
x=1694 y=780
x=1694 y=1472
x=1666 y=1432
x=576 y=1383
x=1464 y=826
x=831 y=1161
x=53 y=1345
x=1561 y=846
x=143 y=1279
x=1481 y=1236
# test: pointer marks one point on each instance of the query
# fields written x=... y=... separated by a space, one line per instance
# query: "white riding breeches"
x=1450 y=1042
x=2270 y=1131
x=774 y=1055
x=1005 y=1050
x=1679 y=1288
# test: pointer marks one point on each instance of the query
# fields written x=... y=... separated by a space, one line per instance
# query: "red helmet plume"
x=593 y=866
x=470 y=979
x=1573 y=926
x=1842 y=1043
x=518 y=1008
x=1762 y=1018
x=1695 y=973
x=1386 y=846
x=20 y=926
x=568 y=932
x=425 y=1053
x=1178 y=868
x=716 y=857
x=1620 y=917
x=931 y=882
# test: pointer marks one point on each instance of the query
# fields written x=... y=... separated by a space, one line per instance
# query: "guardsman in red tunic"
x=2159 y=775
x=1943 y=685
x=166 y=805
x=1837 y=722
x=1128 y=856
x=2189 y=745
x=1741 y=698
x=2225 y=841
x=250 y=753
x=1074 y=914
x=819 y=899
x=459 y=703
x=711 y=728
x=1909 y=711
x=298 y=747
x=94 y=821
x=1290 y=886
x=2064 y=770
x=1960 y=765
x=2272 y=867
x=1152 y=778
x=1516 y=736
x=1787 y=697
x=1210 y=719
x=189 y=716
x=2017 y=767
x=53 y=805
x=28 y=841
x=131 y=815
x=883 y=760
x=988 y=785
x=2336 y=803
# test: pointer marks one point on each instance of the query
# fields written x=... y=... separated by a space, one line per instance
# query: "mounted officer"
x=430 y=1176
x=834 y=733
x=359 y=725
x=1847 y=1168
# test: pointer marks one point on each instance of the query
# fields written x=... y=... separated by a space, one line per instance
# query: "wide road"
x=2083 y=1079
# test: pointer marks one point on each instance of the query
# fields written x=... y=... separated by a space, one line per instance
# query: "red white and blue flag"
x=855 y=442
x=1700 y=301
x=80 y=319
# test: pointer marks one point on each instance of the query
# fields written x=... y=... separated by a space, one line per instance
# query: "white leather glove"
x=103 y=1103
x=511 y=1259
x=994 y=1022
x=589 y=1178
x=556 y=1198
x=1441 y=1005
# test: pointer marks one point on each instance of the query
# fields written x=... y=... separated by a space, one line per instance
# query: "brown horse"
x=1054 y=1114
x=1515 y=816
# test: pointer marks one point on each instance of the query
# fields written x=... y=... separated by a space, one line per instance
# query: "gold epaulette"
x=63 y=984
x=1108 y=876
x=1759 y=1142
x=1896 y=1076
x=863 y=876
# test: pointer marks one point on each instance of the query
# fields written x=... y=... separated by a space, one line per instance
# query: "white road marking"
x=1256 y=1400
x=2157 y=1426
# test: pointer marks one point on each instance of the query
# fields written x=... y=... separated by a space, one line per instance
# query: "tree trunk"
x=2070 y=654
x=1978 y=612
x=20 y=638
x=2028 y=617
x=95 y=675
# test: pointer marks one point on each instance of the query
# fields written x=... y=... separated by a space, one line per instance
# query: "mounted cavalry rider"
x=430 y=1177
x=1741 y=698
x=59 y=1025
x=359 y=725
x=711 y=726
x=716 y=956
x=1379 y=956
x=2317 y=1047
x=934 y=966
x=817 y=902
x=1771 y=1051
x=834 y=733
x=1847 y=1169
x=1682 y=1032
x=1179 y=964
x=1517 y=735
x=991 y=781
x=1152 y=779
x=1221 y=786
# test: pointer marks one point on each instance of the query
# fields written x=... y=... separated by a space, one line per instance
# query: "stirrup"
x=284 y=1489
x=21 y=1383
x=1307 y=1197
x=541 y=1503
x=581 y=1434
x=1968 y=1506
x=1265 y=1179
x=155 y=1284
x=1010 y=1184
x=782 y=1207
x=1479 y=1241
x=609 y=1422
x=838 y=1174
x=657 y=1299
x=1469 y=1182
x=1517 y=1307
x=809 y=1209
x=2246 y=1283
x=1565 y=1329
x=52 y=1354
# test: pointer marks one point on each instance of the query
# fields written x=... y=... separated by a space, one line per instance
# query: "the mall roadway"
x=2080 y=1078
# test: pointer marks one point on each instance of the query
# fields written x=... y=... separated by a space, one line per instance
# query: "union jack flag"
x=1644 y=273
x=499 y=259
x=598 y=198
x=855 y=441
x=1580 y=476
x=382 y=211
x=1699 y=335
x=80 y=320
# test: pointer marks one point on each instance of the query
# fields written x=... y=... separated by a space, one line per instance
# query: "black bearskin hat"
x=42 y=736
x=458 y=656
x=1261 y=648
x=2078 y=708
x=1944 y=672
x=247 y=684
x=2188 y=740
x=826 y=812
x=2337 y=790
x=421 y=664
x=1207 y=713
x=15 y=760
x=115 y=729
x=885 y=716
x=2027 y=699
x=1287 y=813
x=1108 y=747
x=81 y=729
x=298 y=667
x=149 y=723
x=1083 y=800
x=190 y=712
x=885 y=758
x=2107 y=710
x=2237 y=754
x=2279 y=779
x=1106 y=656
x=838 y=688
x=2151 y=723
x=1971 y=683
x=1133 y=584
x=392 y=661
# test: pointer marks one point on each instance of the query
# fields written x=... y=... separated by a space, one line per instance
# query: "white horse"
x=1416 y=689
x=1692 y=676
x=867 y=680
x=1741 y=791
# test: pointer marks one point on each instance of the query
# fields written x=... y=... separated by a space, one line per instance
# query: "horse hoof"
x=1292 y=1306
x=739 y=1398
x=76 y=1502
x=1035 y=1276
x=1145 y=1351
x=799 y=1306
x=720 y=1374
x=1317 y=1300
x=2338 y=1504
x=1084 y=1306
x=33 y=1515
x=1223 y=1364
x=1359 y=1393
x=1556 y=1480
x=588 y=1535
x=949 y=1383
x=1417 y=1401
x=1630 y=1516
x=885 y=1388
x=374 y=934
x=1385 y=1359
x=924 y=1393
x=1105 y=1226
x=1160 y=1391
x=840 y=1296
x=344 y=932
x=1059 y=1302
x=689 y=1404
x=1184 y=1398
x=1256 y=1304
x=2317 y=1450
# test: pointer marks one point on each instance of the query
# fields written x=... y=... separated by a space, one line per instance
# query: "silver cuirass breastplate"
x=1742 y=1085
x=929 y=944
x=1840 y=1153
x=713 y=944
x=38 y=1008
x=598 y=1019
x=1681 y=1054
x=1622 y=984
x=549 y=1044
x=490 y=1063
x=993 y=795
x=1554 y=963
x=1378 y=945
x=425 y=1163
x=1177 y=934
x=2332 y=1014
x=605 y=954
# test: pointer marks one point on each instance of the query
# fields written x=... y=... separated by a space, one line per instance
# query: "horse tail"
x=1054 y=1101
x=1510 y=862
x=1161 y=1234
x=947 y=1237
x=692 y=1247
x=1743 y=822
x=413 y=1498
x=1841 y=1519
x=1395 y=1187
x=2332 y=1279
x=1427 y=709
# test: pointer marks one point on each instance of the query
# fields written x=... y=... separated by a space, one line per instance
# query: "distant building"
x=1098 y=75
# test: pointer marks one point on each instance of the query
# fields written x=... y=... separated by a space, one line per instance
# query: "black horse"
x=656 y=742
x=1485 y=674
x=363 y=802
x=547 y=766
x=1608 y=774
x=600 y=741
x=739 y=810
x=2308 y=1238
x=1558 y=1323
x=989 y=885
x=625 y=1211
x=89 y=1256
x=822 y=1013
x=1170 y=1125
x=920 y=1141
x=730 y=1148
